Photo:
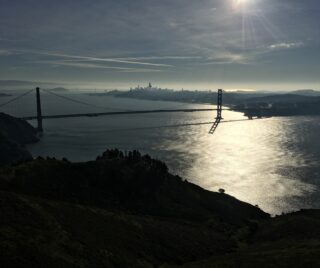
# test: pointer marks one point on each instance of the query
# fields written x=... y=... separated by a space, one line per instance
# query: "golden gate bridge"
x=40 y=117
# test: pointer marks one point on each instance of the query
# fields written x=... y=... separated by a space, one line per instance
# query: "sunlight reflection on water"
x=250 y=160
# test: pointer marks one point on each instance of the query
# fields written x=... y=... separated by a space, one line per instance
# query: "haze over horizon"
x=205 y=44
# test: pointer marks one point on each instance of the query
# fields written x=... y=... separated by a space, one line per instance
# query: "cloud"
x=96 y=59
x=228 y=57
x=162 y=58
x=192 y=38
x=286 y=45
x=115 y=60
x=92 y=66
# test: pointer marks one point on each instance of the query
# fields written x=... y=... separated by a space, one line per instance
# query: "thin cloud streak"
x=94 y=66
x=286 y=45
x=115 y=60
x=162 y=58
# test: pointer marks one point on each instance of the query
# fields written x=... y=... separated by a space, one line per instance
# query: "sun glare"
x=240 y=3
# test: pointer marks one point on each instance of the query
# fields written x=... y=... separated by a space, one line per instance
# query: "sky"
x=202 y=44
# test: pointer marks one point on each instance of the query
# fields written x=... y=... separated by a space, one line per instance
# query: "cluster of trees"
x=133 y=157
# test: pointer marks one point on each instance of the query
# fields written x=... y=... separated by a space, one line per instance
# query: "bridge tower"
x=39 y=113
x=219 y=105
x=219 y=112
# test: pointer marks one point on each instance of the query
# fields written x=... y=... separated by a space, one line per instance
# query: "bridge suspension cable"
x=16 y=98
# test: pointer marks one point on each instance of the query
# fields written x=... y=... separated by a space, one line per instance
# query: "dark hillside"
x=12 y=152
x=17 y=130
x=37 y=232
x=287 y=241
x=14 y=134
x=129 y=211
x=118 y=211
x=133 y=183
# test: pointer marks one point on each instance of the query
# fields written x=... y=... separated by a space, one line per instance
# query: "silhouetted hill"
x=287 y=241
x=306 y=92
x=133 y=183
x=129 y=211
x=14 y=134
x=284 y=98
x=59 y=89
x=280 y=105
x=118 y=211
x=17 y=130
x=4 y=95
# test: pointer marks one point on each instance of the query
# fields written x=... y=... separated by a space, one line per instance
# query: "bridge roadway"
x=118 y=113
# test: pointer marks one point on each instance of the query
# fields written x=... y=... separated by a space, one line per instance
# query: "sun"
x=240 y=4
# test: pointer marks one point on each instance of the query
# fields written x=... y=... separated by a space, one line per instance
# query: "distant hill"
x=306 y=92
x=280 y=105
x=59 y=89
x=4 y=95
x=210 y=97
x=288 y=98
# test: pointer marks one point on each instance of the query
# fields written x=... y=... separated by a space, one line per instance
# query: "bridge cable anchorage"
x=79 y=101
x=219 y=112
x=16 y=98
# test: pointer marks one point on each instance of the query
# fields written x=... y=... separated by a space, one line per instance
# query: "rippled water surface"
x=273 y=162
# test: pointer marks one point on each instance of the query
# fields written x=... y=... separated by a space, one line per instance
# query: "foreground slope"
x=287 y=241
x=129 y=211
x=118 y=211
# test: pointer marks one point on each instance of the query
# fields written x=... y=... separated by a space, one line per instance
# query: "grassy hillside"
x=287 y=241
x=129 y=211
x=132 y=183
x=118 y=211
x=36 y=232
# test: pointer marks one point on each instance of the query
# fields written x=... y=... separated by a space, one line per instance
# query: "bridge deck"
x=116 y=113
